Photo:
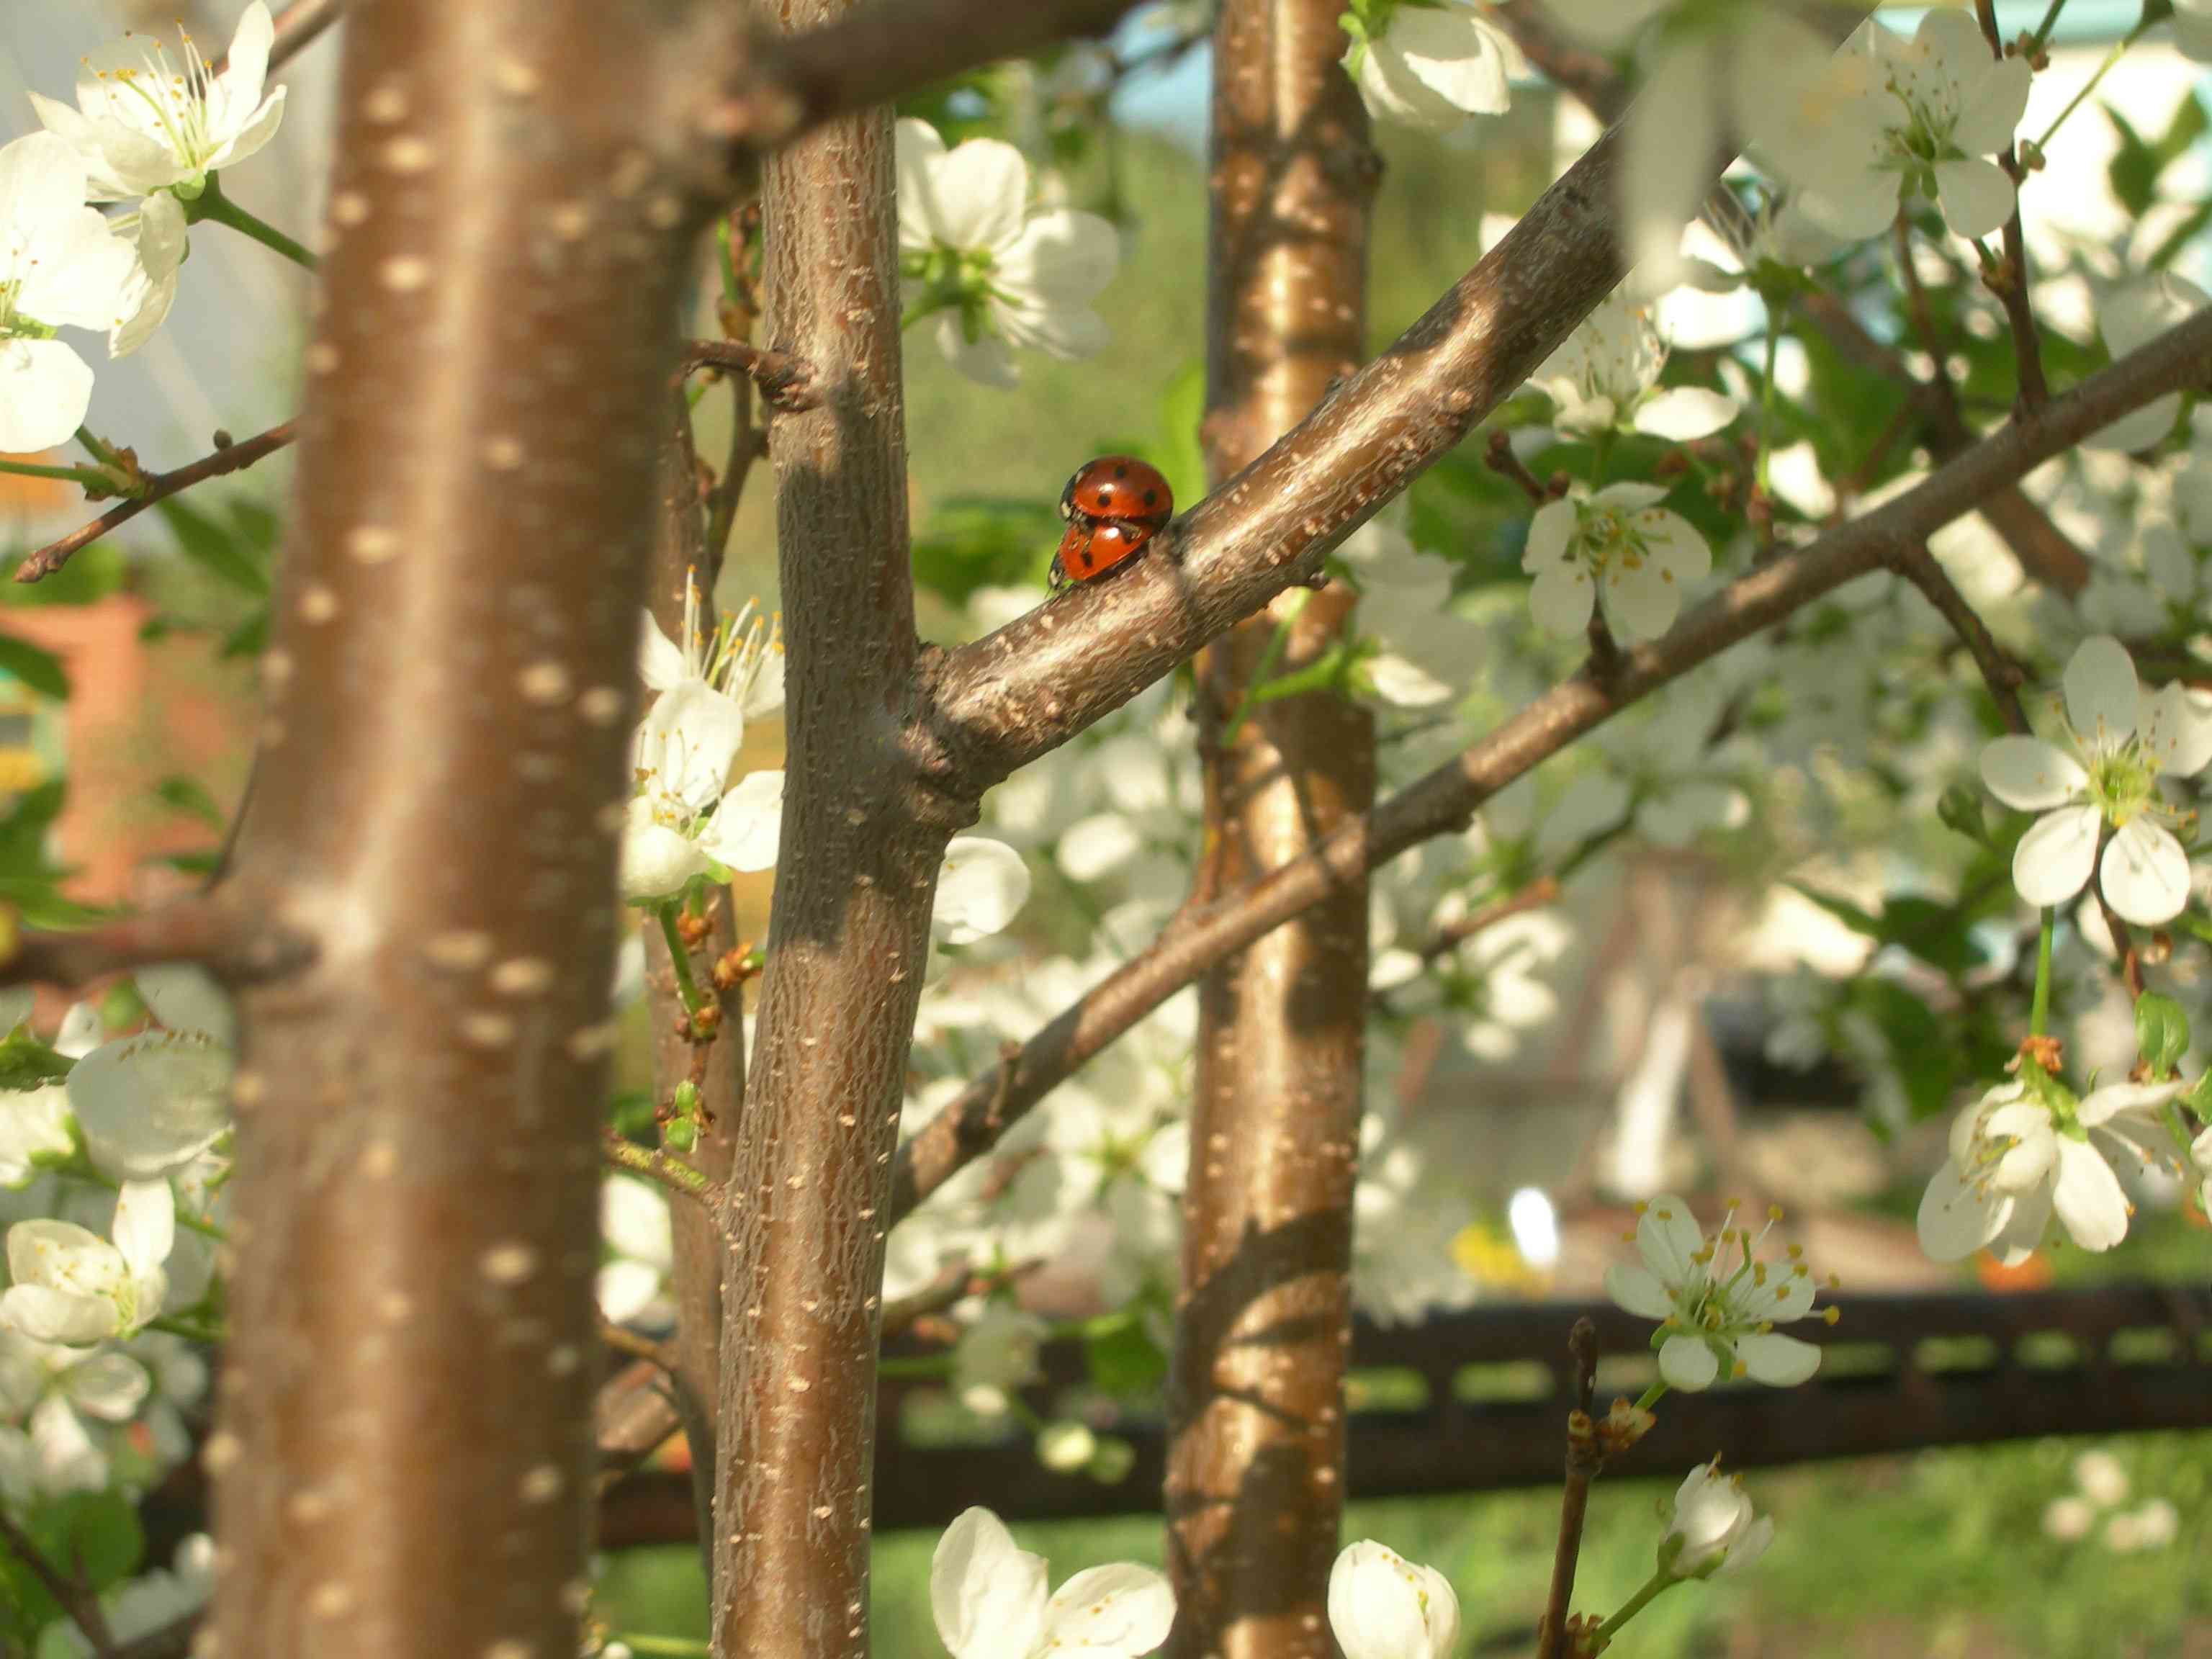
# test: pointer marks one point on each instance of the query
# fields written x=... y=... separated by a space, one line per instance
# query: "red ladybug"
x=1113 y=506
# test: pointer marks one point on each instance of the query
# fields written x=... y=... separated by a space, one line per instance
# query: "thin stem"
x=1650 y=1592
x=1584 y=1459
x=2039 y=1016
x=2050 y=23
x=1270 y=655
x=216 y=207
x=2119 y=51
x=212 y=1335
x=91 y=477
x=98 y=448
x=1652 y=1395
x=679 y=957
x=1999 y=672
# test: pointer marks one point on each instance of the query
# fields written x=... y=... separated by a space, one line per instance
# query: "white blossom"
x=990 y=1602
x=1431 y=66
x=71 y=1286
x=641 y=1241
x=1382 y=1605
x=2123 y=739
x=1617 y=545
x=685 y=816
x=1712 y=1527
x=1605 y=378
x=2026 y=1149
x=61 y=265
x=1921 y=116
x=997 y=275
x=997 y=1355
x=1717 y=1303
x=146 y=127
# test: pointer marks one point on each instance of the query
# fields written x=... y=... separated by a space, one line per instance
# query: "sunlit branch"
x=227 y=458
x=1445 y=800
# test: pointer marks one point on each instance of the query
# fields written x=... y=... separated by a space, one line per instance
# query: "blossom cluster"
x=148 y=132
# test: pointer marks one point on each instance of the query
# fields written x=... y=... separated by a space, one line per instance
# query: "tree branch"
x=998 y=703
x=1446 y=798
x=876 y=52
x=159 y=486
x=222 y=933
x=2010 y=280
x=1999 y=671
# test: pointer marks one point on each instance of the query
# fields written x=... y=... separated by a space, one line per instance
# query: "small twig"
x=2009 y=282
x=658 y=1164
x=2001 y=674
x=71 y=1593
x=786 y=382
x=1535 y=897
x=1584 y=1459
x=159 y=486
x=1605 y=658
x=1501 y=459
x=954 y=1285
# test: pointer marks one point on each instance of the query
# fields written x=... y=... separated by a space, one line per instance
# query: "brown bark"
x=1254 y=1483
x=403 y=1461
x=809 y=1198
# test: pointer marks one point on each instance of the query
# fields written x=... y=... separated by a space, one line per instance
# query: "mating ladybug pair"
x=1113 y=506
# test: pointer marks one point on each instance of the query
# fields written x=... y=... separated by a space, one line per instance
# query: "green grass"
x=1938 y=1554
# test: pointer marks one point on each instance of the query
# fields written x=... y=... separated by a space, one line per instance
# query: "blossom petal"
x=2054 y=857
x=1978 y=197
x=1957 y=1218
x=45 y=390
x=1635 y=1288
x=2030 y=774
x=1561 y=597
x=1780 y=1361
x=1120 y=1611
x=1684 y=412
x=977 y=194
x=917 y=149
x=2087 y=1196
x=657 y=859
x=747 y=828
x=145 y=1227
x=1061 y=260
x=984 y=359
x=151 y=1103
x=2177 y=729
x=1550 y=533
x=1688 y=1363
x=987 y=1596
x=660 y=661
x=2101 y=693
x=2145 y=873
x=46 y=1315
x=1382 y=1605
x=982 y=887
x=1995 y=99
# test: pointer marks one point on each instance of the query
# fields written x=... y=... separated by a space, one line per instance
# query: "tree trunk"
x=402 y=1465
x=1257 y=1466
x=809 y=1199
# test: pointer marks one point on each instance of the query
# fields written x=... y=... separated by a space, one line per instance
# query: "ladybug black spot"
x=1121 y=471
x=1152 y=498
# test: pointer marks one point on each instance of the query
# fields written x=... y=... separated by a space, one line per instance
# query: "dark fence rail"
x=1485 y=1394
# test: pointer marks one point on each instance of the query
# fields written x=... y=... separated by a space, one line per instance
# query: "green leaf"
x=190 y=795
x=92 y=1533
x=1960 y=808
x=213 y=546
x=39 y=670
x=1124 y=1360
x=27 y=1063
x=2161 y=1033
x=2133 y=169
